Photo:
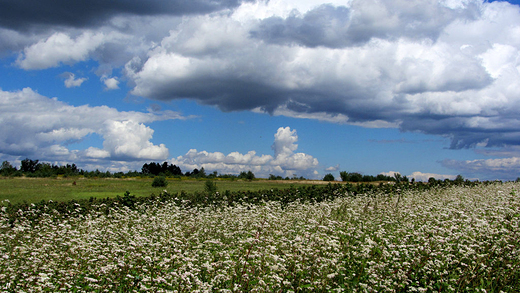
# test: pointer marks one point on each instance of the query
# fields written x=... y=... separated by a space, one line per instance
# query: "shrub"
x=159 y=181
x=210 y=187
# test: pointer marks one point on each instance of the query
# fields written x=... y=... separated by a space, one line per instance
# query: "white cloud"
x=419 y=176
x=390 y=173
x=285 y=162
x=499 y=59
x=332 y=168
x=504 y=164
x=297 y=161
x=34 y=125
x=59 y=48
x=111 y=83
x=131 y=139
x=285 y=142
x=284 y=146
x=487 y=169
x=96 y=153
x=71 y=81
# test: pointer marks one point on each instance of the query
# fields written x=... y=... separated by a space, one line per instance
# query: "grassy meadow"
x=31 y=190
x=446 y=239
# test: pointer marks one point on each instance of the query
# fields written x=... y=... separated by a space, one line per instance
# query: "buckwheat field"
x=453 y=239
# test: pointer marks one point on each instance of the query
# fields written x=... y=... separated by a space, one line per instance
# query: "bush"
x=210 y=187
x=159 y=181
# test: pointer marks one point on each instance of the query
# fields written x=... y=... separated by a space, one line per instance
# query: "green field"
x=33 y=190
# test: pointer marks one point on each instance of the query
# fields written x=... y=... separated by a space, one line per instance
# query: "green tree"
x=29 y=166
x=202 y=173
x=459 y=179
x=44 y=170
x=328 y=177
x=246 y=175
x=398 y=177
x=356 y=177
x=7 y=169
x=274 y=177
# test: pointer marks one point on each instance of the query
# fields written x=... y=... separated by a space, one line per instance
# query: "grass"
x=34 y=190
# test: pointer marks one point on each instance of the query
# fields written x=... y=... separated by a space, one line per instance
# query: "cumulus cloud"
x=59 y=48
x=285 y=142
x=284 y=162
x=341 y=26
x=34 y=125
x=131 y=139
x=284 y=147
x=111 y=83
x=451 y=69
x=420 y=176
x=332 y=168
x=72 y=81
x=96 y=153
x=390 y=173
x=501 y=168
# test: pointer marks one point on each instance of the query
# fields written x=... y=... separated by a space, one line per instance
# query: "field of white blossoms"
x=456 y=239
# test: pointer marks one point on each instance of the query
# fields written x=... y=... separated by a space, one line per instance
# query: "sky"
x=425 y=88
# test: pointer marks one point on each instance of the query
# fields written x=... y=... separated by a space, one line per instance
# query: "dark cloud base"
x=20 y=15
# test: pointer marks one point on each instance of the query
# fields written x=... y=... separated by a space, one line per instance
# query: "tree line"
x=358 y=177
x=35 y=168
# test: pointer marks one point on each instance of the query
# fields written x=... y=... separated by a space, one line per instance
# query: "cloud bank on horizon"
x=441 y=67
x=43 y=130
x=34 y=125
x=285 y=161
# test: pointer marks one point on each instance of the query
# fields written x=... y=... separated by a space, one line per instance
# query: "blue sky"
x=425 y=88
